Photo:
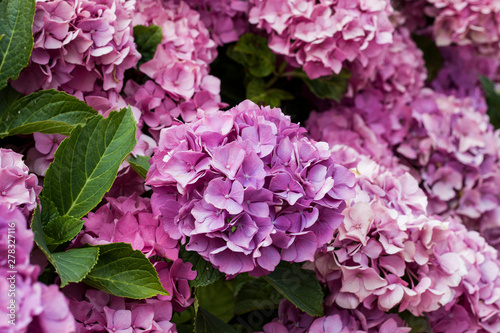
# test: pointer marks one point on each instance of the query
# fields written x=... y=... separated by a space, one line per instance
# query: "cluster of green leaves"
x=248 y=69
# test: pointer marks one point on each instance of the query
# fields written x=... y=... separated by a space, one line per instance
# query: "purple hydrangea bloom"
x=245 y=189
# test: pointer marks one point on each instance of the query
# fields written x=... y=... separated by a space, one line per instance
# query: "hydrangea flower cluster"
x=349 y=136
x=336 y=320
x=79 y=46
x=401 y=72
x=467 y=22
x=247 y=189
x=130 y=220
x=390 y=254
x=322 y=37
x=37 y=307
x=376 y=114
x=455 y=150
x=383 y=253
x=383 y=99
x=18 y=187
x=226 y=19
x=460 y=73
x=180 y=84
x=476 y=305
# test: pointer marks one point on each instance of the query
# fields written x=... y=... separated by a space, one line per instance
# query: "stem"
x=271 y=82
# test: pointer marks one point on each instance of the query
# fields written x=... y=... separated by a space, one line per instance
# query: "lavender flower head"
x=245 y=189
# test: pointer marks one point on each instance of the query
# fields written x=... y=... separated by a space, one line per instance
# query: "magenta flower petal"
x=225 y=195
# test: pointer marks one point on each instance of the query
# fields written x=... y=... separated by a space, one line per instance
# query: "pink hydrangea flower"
x=389 y=253
x=454 y=148
x=336 y=320
x=174 y=277
x=247 y=189
x=18 y=187
x=80 y=45
x=39 y=157
x=180 y=84
x=130 y=220
x=460 y=73
x=323 y=37
x=226 y=19
x=465 y=22
x=15 y=232
x=97 y=311
x=36 y=307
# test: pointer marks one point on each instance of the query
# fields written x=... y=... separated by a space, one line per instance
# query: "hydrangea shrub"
x=249 y=166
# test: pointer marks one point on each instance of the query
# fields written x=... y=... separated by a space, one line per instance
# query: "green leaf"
x=417 y=324
x=218 y=297
x=332 y=87
x=46 y=111
x=257 y=294
x=207 y=274
x=140 y=164
x=8 y=96
x=74 y=265
x=125 y=272
x=492 y=99
x=258 y=93
x=147 y=40
x=37 y=228
x=301 y=287
x=208 y=323
x=85 y=164
x=49 y=210
x=61 y=229
x=254 y=54
x=432 y=56
x=16 y=20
